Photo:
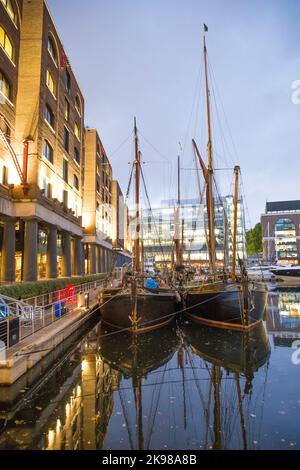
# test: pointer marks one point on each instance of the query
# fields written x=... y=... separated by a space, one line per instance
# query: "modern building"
x=281 y=232
x=160 y=226
x=47 y=228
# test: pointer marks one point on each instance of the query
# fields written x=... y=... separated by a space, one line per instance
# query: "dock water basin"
x=183 y=386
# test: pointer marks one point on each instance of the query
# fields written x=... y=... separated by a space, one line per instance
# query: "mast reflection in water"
x=179 y=387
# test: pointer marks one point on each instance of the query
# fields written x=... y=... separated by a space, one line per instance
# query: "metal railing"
x=20 y=319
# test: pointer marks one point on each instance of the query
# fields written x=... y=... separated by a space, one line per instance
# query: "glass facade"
x=286 y=241
x=160 y=226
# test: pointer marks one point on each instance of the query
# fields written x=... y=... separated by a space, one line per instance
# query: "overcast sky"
x=144 y=58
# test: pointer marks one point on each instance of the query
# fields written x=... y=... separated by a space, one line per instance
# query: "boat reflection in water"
x=135 y=356
x=178 y=387
x=231 y=358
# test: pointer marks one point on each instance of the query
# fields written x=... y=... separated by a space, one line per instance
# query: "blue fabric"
x=151 y=284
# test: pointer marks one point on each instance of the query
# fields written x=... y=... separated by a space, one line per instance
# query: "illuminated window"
x=10 y=9
x=50 y=82
x=6 y=43
x=285 y=240
x=48 y=151
x=49 y=116
x=75 y=182
x=77 y=131
x=76 y=155
x=67 y=110
x=52 y=49
x=5 y=87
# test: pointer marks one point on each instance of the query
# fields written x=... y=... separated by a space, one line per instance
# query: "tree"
x=254 y=240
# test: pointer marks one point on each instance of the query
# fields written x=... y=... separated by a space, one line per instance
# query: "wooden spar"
x=209 y=179
x=236 y=195
x=142 y=243
x=216 y=379
x=177 y=217
x=182 y=242
x=243 y=428
x=137 y=170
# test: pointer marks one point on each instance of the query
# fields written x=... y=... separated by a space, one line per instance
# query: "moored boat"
x=224 y=301
x=227 y=304
x=287 y=274
x=134 y=306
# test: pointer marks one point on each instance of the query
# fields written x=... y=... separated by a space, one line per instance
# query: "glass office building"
x=160 y=226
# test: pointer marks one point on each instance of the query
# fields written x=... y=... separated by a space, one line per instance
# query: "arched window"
x=78 y=105
x=6 y=43
x=77 y=130
x=10 y=9
x=49 y=116
x=5 y=86
x=76 y=182
x=285 y=240
x=50 y=82
x=52 y=49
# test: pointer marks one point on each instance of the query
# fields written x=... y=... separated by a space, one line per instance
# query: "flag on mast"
x=205 y=28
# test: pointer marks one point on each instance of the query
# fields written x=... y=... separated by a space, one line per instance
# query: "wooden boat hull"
x=235 y=351
x=221 y=305
x=154 y=309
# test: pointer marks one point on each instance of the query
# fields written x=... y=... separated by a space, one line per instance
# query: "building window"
x=6 y=43
x=65 y=198
x=76 y=155
x=68 y=81
x=52 y=49
x=49 y=116
x=66 y=139
x=5 y=87
x=77 y=131
x=65 y=170
x=76 y=182
x=97 y=187
x=67 y=110
x=50 y=82
x=5 y=175
x=10 y=9
x=5 y=129
x=286 y=241
x=48 y=151
x=78 y=105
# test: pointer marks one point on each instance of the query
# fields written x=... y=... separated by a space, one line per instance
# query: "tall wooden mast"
x=209 y=179
x=235 y=210
x=137 y=169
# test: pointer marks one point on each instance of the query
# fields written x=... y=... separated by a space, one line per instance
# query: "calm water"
x=182 y=387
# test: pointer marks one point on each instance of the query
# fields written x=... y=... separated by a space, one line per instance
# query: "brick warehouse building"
x=281 y=232
x=42 y=152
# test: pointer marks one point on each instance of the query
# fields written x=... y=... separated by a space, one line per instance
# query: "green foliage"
x=254 y=240
x=24 y=290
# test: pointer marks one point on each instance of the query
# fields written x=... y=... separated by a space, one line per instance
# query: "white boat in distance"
x=287 y=274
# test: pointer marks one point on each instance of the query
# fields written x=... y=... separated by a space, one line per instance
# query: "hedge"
x=25 y=290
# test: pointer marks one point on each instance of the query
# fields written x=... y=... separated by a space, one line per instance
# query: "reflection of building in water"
x=283 y=319
x=83 y=422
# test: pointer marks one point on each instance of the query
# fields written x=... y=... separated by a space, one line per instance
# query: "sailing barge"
x=135 y=307
x=230 y=302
